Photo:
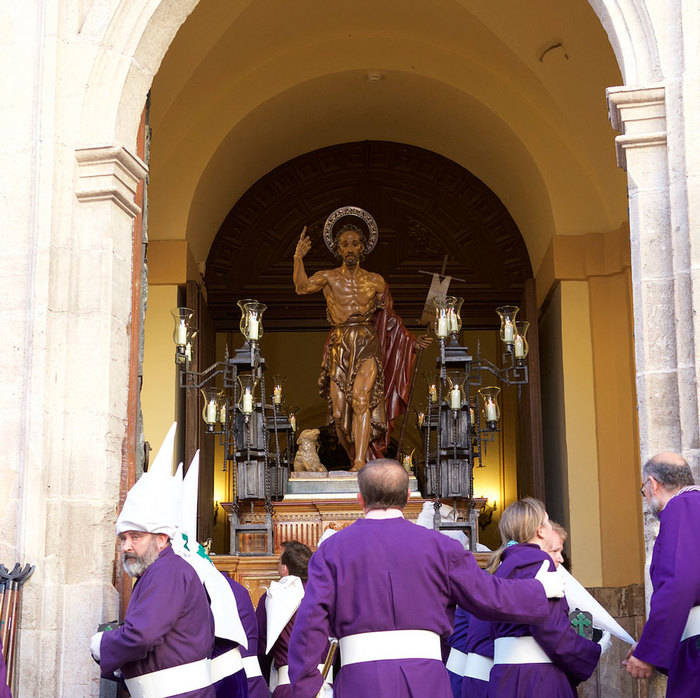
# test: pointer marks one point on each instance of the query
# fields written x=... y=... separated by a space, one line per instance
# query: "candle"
x=491 y=413
x=293 y=421
x=453 y=322
x=211 y=412
x=508 y=331
x=432 y=390
x=421 y=419
x=253 y=329
x=247 y=402
x=442 y=326
x=455 y=398
x=181 y=334
x=188 y=351
x=472 y=416
x=277 y=395
x=222 y=414
x=519 y=348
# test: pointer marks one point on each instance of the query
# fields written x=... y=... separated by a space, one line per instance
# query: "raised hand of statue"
x=303 y=246
x=424 y=341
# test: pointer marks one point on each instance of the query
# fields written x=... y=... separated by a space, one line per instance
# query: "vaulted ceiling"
x=426 y=206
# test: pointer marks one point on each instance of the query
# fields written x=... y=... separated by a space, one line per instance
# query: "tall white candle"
x=519 y=347
x=253 y=328
x=211 y=412
x=181 y=334
x=455 y=398
x=277 y=395
x=247 y=402
x=452 y=321
x=442 y=326
x=222 y=414
x=188 y=351
x=491 y=413
x=432 y=390
x=293 y=421
x=508 y=331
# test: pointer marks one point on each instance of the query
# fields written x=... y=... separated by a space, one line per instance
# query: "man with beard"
x=670 y=640
x=369 y=354
x=165 y=643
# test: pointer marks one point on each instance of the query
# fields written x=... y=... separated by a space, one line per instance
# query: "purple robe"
x=675 y=577
x=479 y=641
x=574 y=658
x=4 y=689
x=378 y=575
x=279 y=654
x=458 y=641
x=168 y=623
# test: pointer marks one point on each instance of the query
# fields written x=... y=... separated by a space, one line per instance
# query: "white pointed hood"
x=281 y=603
x=151 y=505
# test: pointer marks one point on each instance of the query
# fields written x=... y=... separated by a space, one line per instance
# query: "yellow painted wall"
x=158 y=393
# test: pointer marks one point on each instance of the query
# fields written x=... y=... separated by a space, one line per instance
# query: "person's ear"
x=361 y=501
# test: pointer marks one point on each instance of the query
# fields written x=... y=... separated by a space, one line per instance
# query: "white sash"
x=283 y=675
x=478 y=666
x=389 y=644
x=692 y=626
x=519 y=650
x=456 y=662
x=226 y=664
x=252 y=667
x=171 y=681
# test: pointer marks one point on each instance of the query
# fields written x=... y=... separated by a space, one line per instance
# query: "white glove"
x=326 y=691
x=552 y=582
x=605 y=642
x=95 y=641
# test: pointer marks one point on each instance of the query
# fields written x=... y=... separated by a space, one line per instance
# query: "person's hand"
x=637 y=668
x=424 y=341
x=552 y=582
x=95 y=641
x=605 y=642
x=303 y=246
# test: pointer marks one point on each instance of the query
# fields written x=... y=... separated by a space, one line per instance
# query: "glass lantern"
x=251 y=319
x=277 y=391
x=444 y=311
x=210 y=412
x=222 y=408
x=489 y=405
x=508 y=331
x=433 y=392
x=420 y=418
x=181 y=333
x=293 y=412
x=246 y=402
x=454 y=319
x=455 y=380
x=520 y=346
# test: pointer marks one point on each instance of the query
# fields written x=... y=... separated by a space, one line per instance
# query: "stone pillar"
x=75 y=487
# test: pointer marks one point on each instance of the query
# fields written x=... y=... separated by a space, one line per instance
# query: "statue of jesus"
x=369 y=355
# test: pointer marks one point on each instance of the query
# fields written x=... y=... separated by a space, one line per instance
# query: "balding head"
x=383 y=484
x=670 y=470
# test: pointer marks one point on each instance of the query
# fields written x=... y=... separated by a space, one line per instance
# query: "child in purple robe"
x=387 y=589
x=670 y=640
x=548 y=657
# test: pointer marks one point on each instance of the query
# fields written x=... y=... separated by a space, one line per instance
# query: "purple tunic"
x=168 y=623
x=279 y=654
x=378 y=575
x=458 y=641
x=574 y=658
x=4 y=690
x=675 y=577
x=479 y=641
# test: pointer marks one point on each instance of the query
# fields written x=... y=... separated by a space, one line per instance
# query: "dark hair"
x=383 y=484
x=670 y=470
x=296 y=557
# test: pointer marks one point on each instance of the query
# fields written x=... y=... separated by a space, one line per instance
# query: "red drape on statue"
x=398 y=352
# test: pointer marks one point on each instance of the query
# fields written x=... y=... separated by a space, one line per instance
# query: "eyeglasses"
x=641 y=489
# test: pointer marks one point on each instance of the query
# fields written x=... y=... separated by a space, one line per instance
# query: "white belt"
x=225 y=664
x=283 y=675
x=519 y=650
x=692 y=626
x=478 y=666
x=171 y=681
x=389 y=644
x=456 y=662
x=251 y=666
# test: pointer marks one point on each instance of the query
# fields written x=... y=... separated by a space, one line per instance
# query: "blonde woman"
x=547 y=659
